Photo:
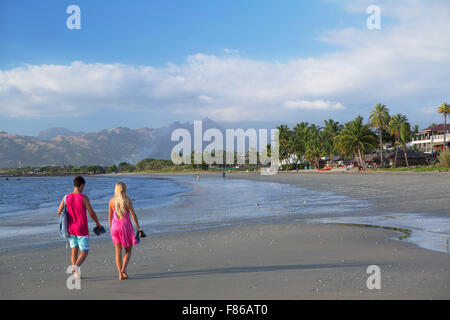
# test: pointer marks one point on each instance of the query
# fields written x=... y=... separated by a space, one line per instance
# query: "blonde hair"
x=121 y=200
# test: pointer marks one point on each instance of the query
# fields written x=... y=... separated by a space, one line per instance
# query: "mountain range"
x=60 y=146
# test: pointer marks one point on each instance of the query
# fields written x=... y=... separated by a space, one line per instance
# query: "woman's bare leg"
x=126 y=259
x=119 y=259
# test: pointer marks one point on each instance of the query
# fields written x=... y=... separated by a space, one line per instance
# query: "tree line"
x=304 y=143
x=310 y=143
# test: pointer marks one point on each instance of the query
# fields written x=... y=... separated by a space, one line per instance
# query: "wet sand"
x=389 y=191
x=259 y=261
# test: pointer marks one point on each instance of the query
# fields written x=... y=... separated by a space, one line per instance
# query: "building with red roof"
x=431 y=139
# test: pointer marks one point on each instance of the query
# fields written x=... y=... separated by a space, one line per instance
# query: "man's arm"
x=91 y=211
x=61 y=207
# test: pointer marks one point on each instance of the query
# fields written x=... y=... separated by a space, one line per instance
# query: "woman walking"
x=122 y=233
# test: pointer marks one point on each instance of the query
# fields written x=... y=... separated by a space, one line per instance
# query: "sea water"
x=175 y=203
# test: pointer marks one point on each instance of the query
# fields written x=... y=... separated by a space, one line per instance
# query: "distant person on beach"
x=223 y=174
x=77 y=203
x=122 y=233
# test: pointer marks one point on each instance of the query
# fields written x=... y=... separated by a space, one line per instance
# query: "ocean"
x=28 y=207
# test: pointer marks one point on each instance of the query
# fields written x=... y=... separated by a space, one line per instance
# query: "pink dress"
x=122 y=230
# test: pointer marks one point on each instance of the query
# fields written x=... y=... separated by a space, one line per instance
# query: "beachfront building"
x=431 y=139
x=414 y=158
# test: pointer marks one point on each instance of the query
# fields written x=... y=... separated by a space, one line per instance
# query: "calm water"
x=31 y=195
x=28 y=207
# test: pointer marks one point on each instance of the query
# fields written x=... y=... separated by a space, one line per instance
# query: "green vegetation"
x=153 y=164
x=355 y=139
x=307 y=144
x=444 y=109
x=400 y=128
x=148 y=165
x=59 y=171
x=444 y=159
x=429 y=168
x=379 y=119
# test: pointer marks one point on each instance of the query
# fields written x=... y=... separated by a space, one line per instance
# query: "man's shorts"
x=79 y=241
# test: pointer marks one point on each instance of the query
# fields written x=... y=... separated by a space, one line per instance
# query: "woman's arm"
x=111 y=213
x=133 y=215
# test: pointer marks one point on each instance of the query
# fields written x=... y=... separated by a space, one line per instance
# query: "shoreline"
x=417 y=187
x=288 y=260
x=391 y=204
x=240 y=171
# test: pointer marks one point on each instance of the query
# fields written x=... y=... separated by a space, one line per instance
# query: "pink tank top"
x=77 y=218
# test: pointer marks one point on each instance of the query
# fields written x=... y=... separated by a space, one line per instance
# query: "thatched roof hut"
x=373 y=158
x=414 y=158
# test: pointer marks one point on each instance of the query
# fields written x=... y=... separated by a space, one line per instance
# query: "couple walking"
x=121 y=229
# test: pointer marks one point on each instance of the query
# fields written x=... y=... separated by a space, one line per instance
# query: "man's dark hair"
x=78 y=181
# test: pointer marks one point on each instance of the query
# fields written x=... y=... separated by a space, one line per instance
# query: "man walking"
x=77 y=203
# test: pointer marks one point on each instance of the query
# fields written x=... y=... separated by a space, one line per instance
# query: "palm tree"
x=332 y=127
x=299 y=140
x=313 y=151
x=379 y=119
x=405 y=137
x=444 y=109
x=355 y=138
x=331 y=130
x=399 y=127
x=284 y=141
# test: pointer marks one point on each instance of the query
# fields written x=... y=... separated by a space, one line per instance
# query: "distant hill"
x=105 y=147
x=52 y=133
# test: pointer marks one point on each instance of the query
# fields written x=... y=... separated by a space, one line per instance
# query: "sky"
x=148 y=63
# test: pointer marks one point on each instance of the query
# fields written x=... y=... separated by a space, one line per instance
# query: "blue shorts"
x=79 y=241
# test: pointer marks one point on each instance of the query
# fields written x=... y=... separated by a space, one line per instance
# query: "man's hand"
x=61 y=207
x=91 y=211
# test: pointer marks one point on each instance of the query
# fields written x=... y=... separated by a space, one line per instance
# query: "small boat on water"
x=324 y=169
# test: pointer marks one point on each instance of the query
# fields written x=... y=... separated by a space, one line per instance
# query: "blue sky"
x=156 y=32
x=148 y=63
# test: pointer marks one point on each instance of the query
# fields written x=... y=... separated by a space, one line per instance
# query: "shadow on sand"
x=243 y=269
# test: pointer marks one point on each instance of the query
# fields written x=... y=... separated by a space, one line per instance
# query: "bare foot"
x=120 y=276
x=124 y=275
x=76 y=274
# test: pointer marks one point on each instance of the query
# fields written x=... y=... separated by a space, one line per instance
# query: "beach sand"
x=259 y=261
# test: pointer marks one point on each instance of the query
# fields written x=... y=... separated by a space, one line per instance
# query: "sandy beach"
x=390 y=191
x=261 y=260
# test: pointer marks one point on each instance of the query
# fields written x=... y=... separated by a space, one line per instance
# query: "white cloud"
x=404 y=65
x=313 y=105
x=230 y=51
x=206 y=99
